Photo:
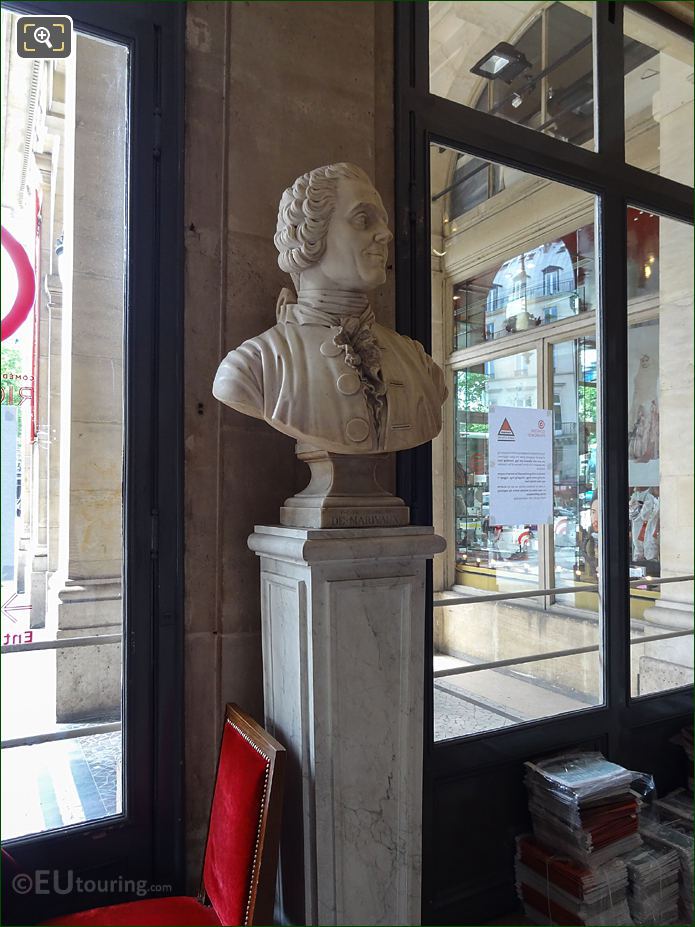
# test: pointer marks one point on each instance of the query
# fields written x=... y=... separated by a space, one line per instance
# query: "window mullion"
x=609 y=116
x=609 y=98
x=613 y=478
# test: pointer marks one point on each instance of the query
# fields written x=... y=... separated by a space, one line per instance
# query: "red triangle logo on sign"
x=506 y=429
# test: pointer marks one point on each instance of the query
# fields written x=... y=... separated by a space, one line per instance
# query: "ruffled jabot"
x=352 y=315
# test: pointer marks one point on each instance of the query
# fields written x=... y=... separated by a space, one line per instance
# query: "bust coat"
x=326 y=374
x=296 y=377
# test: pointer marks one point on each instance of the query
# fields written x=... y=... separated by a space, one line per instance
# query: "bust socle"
x=327 y=374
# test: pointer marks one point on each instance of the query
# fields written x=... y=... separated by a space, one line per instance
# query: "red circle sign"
x=25 y=285
x=541 y=423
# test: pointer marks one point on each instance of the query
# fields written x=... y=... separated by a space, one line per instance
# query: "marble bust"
x=327 y=374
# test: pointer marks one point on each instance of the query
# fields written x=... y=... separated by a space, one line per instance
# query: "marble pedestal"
x=343 y=635
x=344 y=492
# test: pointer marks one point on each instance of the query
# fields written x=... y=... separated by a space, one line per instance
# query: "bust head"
x=333 y=230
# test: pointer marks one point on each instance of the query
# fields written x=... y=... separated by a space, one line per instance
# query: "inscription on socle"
x=326 y=373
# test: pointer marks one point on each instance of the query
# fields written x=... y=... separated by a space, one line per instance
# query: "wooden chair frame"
x=261 y=899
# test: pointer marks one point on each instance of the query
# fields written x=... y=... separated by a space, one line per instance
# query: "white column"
x=37 y=526
x=670 y=663
x=85 y=592
x=343 y=615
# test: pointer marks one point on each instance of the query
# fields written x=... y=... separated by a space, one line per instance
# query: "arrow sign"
x=8 y=608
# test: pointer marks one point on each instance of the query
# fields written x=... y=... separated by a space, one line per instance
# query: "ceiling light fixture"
x=503 y=62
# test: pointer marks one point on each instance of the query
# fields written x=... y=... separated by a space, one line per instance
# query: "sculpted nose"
x=384 y=235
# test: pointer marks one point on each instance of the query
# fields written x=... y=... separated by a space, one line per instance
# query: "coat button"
x=331 y=349
x=348 y=384
x=357 y=430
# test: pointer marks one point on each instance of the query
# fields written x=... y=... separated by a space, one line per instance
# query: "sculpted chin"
x=327 y=374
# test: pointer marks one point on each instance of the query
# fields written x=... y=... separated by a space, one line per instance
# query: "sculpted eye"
x=360 y=220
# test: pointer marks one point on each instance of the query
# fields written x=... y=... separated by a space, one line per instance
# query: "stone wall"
x=272 y=90
x=504 y=630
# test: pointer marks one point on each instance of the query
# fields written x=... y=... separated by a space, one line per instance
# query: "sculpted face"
x=356 y=242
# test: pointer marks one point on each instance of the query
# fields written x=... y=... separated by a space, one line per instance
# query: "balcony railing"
x=533 y=295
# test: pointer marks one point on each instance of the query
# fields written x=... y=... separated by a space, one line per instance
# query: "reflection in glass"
x=487 y=554
x=544 y=284
x=658 y=98
x=659 y=437
x=528 y=63
x=514 y=324
x=575 y=419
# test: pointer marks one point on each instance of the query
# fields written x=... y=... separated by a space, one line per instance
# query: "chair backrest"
x=244 y=833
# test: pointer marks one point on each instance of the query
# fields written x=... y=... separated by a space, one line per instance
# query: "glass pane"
x=553 y=281
x=575 y=420
x=658 y=98
x=530 y=63
x=64 y=226
x=514 y=292
x=660 y=461
x=489 y=699
x=489 y=556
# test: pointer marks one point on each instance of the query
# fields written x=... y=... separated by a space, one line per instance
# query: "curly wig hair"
x=305 y=212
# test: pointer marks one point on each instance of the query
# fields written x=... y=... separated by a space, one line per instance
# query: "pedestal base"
x=88 y=679
x=37 y=572
x=343 y=493
x=343 y=636
x=667 y=664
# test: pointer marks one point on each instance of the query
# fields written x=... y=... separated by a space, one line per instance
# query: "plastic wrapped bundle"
x=579 y=846
x=578 y=780
x=674 y=834
x=653 y=874
x=582 y=805
x=678 y=804
x=620 y=914
x=558 y=890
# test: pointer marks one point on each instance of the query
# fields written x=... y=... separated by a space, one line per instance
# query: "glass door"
x=530 y=194
x=65 y=203
x=92 y=454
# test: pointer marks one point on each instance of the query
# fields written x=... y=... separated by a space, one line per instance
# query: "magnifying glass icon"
x=43 y=36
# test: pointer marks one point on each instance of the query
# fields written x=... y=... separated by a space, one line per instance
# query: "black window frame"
x=146 y=843
x=623 y=723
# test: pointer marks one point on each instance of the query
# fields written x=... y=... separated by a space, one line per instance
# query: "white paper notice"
x=521 y=466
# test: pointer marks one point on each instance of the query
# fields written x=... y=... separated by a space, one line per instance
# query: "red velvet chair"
x=238 y=884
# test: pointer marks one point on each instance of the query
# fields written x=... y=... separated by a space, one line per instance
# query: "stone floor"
x=56 y=784
x=492 y=699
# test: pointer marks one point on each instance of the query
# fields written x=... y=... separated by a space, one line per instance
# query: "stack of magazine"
x=556 y=890
x=678 y=804
x=582 y=807
x=667 y=825
x=653 y=873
